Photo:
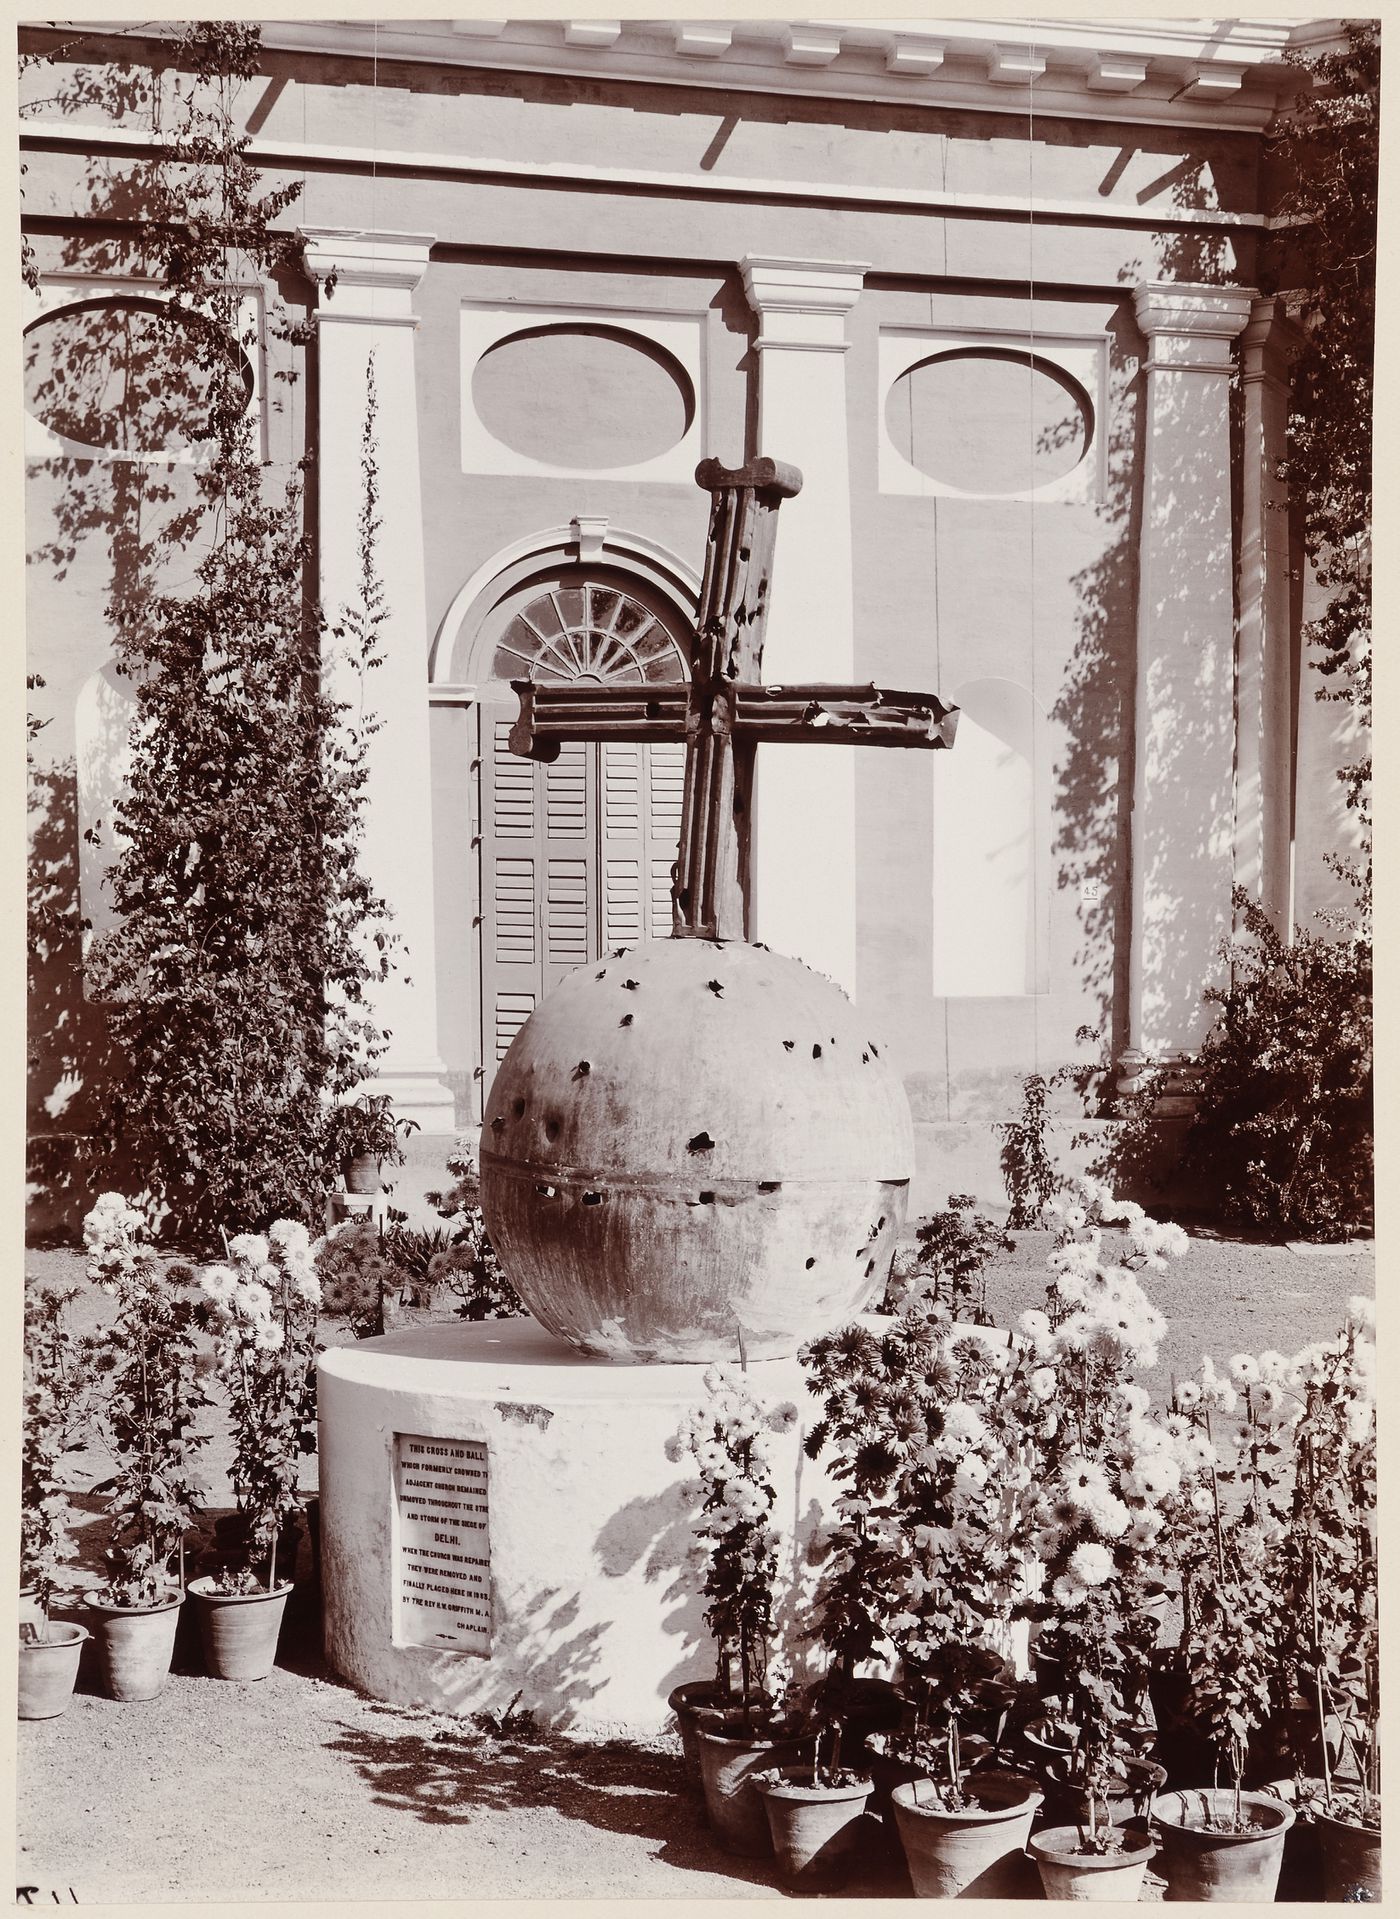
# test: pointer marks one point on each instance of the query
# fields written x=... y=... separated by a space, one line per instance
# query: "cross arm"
x=842 y=715
x=552 y=713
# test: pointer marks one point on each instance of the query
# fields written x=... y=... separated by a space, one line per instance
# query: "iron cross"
x=724 y=711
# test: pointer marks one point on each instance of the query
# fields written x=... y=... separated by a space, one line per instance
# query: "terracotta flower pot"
x=1068 y=1872
x=975 y=1854
x=362 y=1174
x=1351 y=1859
x=238 y=1630
x=134 y=1645
x=815 y=1829
x=728 y=1756
x=1198 y=1863
x=48 y=1670
x=696 y=1702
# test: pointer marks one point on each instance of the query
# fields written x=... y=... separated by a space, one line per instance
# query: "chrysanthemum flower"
x=1091 y=1564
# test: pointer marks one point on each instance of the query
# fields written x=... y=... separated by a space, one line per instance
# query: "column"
x=1264 y=666
x=804 y=846
x=368 y=314
x=1184 y=733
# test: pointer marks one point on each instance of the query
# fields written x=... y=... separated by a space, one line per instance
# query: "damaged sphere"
x=691 y=1142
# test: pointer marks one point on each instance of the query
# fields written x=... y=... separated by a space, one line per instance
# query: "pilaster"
x=365 y=283
x=1183 y=792
x=1264 y=665
x=804 y=847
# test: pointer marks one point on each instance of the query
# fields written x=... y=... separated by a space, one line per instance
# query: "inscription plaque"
x=443 y=1563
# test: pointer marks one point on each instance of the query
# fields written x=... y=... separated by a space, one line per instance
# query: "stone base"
x=596 y=1611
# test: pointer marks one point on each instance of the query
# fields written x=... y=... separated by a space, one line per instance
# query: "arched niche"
x=991 y=848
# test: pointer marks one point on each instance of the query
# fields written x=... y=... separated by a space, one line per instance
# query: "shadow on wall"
x=656 y=1534
x=1188 y=727
x=69 y=1051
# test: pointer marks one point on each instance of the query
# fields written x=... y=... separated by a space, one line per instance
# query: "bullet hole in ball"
x=707 y=1199
x=816 y=1052
x=870 y=1267
x=498 y=1122
x=517 y=1107
x=873 y=1047
x=716 y=987
x=788 y=1045
x=629 y=986
x=701 y=1143
x=626 y=1020
x=811 y=1263
x=593 y=1199
x=602 y=975
x=582 y=1070
x=551 y=1129
x=770 y=1186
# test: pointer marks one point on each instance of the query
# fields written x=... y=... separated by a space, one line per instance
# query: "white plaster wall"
x=596 y=1612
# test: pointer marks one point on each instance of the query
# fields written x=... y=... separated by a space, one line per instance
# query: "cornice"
x=1221 y=74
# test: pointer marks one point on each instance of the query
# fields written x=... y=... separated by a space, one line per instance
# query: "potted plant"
x=55 y=1413
x=816 y=1806
x=262 y=1306
x=745 y=1725
x=362 y=1136
x=1332 y=1598
x=1224 y=1841
x=149 y=1398
x=360 y=1279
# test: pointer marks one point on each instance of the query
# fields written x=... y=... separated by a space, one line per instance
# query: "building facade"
x=994 y=288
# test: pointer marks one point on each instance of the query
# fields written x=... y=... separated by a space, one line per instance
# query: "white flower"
x=220 y=1283
x=783 y=1418
x=963 y=1425
x=1108 y=1516
x=1361 y=1313
x=716 y=1378
x=1084 y=1481
x=252 y=1248
x=1068 y=1592
x=268 y=1336
x=1201 y=1500
x=1143 y=1531
x=1091 y=1564
x=675 y=1449
x=1035 y=1326
x=1188 y=1395
x=290 y=1237
x=1042 y=1383
x=1134 y=1398
x=1244 y=1369
x=1272 y=1366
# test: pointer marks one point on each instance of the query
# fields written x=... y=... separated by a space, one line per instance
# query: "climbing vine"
x=247 y=932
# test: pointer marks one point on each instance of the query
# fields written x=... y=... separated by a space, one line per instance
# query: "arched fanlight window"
x=587 y=632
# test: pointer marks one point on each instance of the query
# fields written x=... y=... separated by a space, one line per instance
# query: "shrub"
x=56 y=1385
x=1026 y=1165
x=949 y=1266
x=468 y=1266
x=1282 y=1135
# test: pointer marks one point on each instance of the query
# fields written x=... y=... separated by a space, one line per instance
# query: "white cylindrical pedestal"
x=595 y=1611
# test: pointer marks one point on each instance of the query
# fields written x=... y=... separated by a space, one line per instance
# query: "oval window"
x=989 y=422
x=133 y=376
x=583 y=397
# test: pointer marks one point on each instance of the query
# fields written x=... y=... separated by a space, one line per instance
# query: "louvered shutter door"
x=576 y=860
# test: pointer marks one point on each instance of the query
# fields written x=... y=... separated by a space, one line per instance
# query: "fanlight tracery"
x=588 y=633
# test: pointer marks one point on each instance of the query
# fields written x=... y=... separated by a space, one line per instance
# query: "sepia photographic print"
x=627 y=1297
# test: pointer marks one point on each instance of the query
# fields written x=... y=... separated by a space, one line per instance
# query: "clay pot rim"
x=201 y=1588
x=739 y=1735
x=903 y=1796
x=1322 y=1817
x=793 y=1789
x=108 y=1608
x=1049 y=1844
x=62 y=1633
x=1220 y=1798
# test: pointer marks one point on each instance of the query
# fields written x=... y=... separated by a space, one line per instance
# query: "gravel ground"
x=299 y=1788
